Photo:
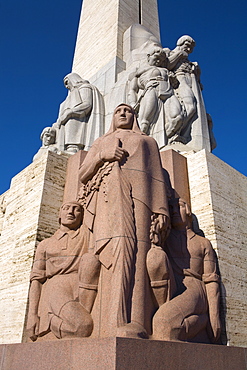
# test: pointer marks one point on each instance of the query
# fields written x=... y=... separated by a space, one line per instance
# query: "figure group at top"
x=165 y=92
x=162 y=91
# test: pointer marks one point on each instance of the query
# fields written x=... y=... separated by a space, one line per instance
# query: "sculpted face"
x=68 y=84
x=157 y=58
x=71 y=215
x=48 y=138
x=187 y=46
x=178 y=213
x=123 y=117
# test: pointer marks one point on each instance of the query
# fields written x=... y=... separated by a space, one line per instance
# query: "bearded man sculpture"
x=123 y=187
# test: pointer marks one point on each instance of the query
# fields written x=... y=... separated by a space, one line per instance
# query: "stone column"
x=101 y=29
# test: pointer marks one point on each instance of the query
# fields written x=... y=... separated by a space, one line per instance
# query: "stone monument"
x=120 y=260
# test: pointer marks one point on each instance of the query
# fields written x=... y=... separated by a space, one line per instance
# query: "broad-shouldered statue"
x=193 y=312
x=55 y=304
x=150 y=92
x=186 y=76
x=81 y=115
x=123 y=186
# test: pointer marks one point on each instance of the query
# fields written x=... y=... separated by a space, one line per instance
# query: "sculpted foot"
x=132 y=330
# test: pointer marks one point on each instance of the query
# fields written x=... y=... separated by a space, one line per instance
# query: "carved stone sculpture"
x=123 y=188
x=186 y=81
x=80 y=120
x=54 y=298
x=48 y=137
x=193 y=313
x=160 y=113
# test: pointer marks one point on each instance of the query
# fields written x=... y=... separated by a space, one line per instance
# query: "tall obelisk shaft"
x=101 y=29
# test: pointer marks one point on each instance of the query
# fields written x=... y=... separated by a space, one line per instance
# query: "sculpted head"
x=48 y=136
x=72 y=80
x=156 y=57
x=186 y=43
x=71 y=215
x=180 y=214
x=123 y=117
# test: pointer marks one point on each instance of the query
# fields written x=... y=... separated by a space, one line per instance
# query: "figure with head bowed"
x=193 y=312
x=80 y=119
x=123 y=187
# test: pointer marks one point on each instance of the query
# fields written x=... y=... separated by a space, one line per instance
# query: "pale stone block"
x=112 y=19
x=219 y=200
x=32 y=205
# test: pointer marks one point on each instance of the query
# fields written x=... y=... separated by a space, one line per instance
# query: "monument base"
x=120 y=353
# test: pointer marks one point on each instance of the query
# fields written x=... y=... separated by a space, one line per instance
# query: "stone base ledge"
x=120 y=354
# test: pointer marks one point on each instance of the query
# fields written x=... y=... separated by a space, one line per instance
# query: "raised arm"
x=103 y=150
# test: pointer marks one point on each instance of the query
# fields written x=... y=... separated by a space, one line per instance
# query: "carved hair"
x=157 y=49
x=71 y=202
x=184 y=38
x=51 y=131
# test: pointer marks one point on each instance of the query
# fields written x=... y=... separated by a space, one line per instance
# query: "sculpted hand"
x=113 y=152
x=163 y=222
x=33 y=326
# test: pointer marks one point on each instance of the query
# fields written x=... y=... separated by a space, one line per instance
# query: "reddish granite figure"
x=124 y=187
x=53 y=299
x=193 y=314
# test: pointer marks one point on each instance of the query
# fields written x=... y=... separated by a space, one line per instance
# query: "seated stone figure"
x=193 y=313
x=54 y=299
x=48 y=137
x=160 y=113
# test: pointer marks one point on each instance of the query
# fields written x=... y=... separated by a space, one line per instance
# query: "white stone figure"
x=183 y=68
x=81 y=115
x=151 y=94
x=48 y=137
x=186 y=77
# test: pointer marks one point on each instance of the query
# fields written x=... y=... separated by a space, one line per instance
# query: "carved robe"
x=121 y=197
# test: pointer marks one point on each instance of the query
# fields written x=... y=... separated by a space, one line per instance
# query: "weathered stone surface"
x=32 y=205
x=120 y=354
x=219 y=200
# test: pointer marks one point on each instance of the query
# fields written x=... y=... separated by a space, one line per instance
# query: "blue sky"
x=37 y=42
